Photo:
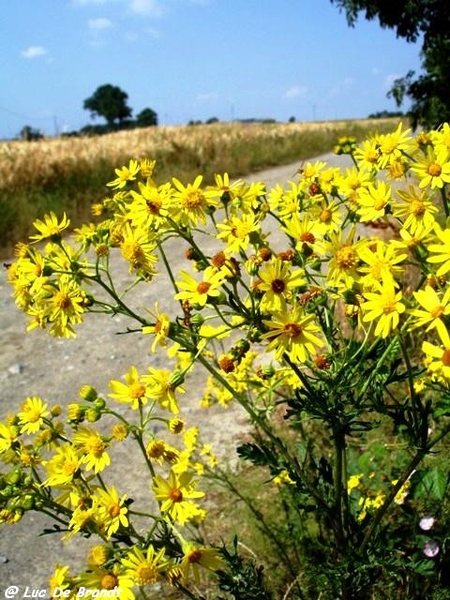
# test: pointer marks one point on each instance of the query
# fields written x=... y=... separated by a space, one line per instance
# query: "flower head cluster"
x=275 y=292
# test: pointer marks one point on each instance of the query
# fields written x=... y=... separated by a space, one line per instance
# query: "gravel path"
x=36 y=364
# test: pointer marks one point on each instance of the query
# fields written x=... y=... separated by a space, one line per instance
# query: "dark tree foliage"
x=425 y=21
x=147 y=118
x=110 y=102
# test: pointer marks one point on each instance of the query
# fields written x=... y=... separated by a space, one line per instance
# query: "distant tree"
x=29 y=134
x=147 y=118
x=110 y=102
x=291 y=119
x=385 y=114
x=429 y=22
x=212 y=120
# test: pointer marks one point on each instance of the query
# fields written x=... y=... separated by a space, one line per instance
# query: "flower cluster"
x=280 y=291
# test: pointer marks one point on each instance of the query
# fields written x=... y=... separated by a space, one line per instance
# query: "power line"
x=20 y=116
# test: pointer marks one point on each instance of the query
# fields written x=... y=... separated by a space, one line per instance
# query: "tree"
x=29 y=134
x=146 y=118
x=414 y=20
x=110 y=102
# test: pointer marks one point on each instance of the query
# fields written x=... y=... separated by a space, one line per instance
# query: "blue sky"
x=193 y=59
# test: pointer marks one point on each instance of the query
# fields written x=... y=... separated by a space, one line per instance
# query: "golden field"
x=69 y=173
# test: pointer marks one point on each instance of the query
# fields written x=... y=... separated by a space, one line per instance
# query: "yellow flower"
x=31 y=417
x=92 y=448
x=438 y=357
x=63 y=305
x=435 y=307
x=132 y=392
x=282 y=478
x=124 y=175
x=344 y=262
x=150 y=206
x=190 y=203
x=237 y=231
x=373 y=201
x=416 y=210
x=381 y=261
x=112 y=511
x=277 y=282
x=391 y=145
x=195 y=556
x=138 y=250
x=354 y=481
x=62 y=467
x=433 y=170
x=160 y=329
x=307 y=232
x=383 y=306
x=367 y=154
x=441 y=251
x=144 y=567
x=162 y=385
x=8 y=435
x=49 y=228
x=175 y=496
x=294 y=333
x=200 y=293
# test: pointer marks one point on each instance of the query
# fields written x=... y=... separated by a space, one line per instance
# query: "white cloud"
x=208 y=97
x=34 y=52
x=298 y=91
x=99 y=24
x=149 y=8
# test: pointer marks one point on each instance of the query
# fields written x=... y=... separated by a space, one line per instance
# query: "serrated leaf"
x=432 y=483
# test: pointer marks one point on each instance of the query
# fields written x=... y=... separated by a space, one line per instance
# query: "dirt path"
x=36 y=364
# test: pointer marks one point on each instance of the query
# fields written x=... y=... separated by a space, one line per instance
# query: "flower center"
x=434 y=170
x=346 y=257
x=203 y=287
x=292 y=330
x=389 y=305
x=153 y=207
x=62 y=300
x=145 y=573
x=325 y=215
x=176 y=495
x=132 y=251
x=437 y=311
x=379 y=204
x=95 y=447
x=69 y=468
x=278 y=286
x=194 y=556
x=114 y=510
x=109 y=581
x=446 y=357
x=307 y=236
x=137 y=390
x=193 y=199
x=417 y=208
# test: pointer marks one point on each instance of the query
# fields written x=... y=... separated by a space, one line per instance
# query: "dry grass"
x=68 y=174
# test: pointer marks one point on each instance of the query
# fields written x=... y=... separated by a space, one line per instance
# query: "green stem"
x=415 y=461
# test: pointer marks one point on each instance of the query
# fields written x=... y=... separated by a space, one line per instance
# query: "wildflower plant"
x=321 y=308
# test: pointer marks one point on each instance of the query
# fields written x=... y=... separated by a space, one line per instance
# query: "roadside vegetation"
x=69 y=174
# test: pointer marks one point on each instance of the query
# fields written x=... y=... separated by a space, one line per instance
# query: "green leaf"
x=431 y=483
